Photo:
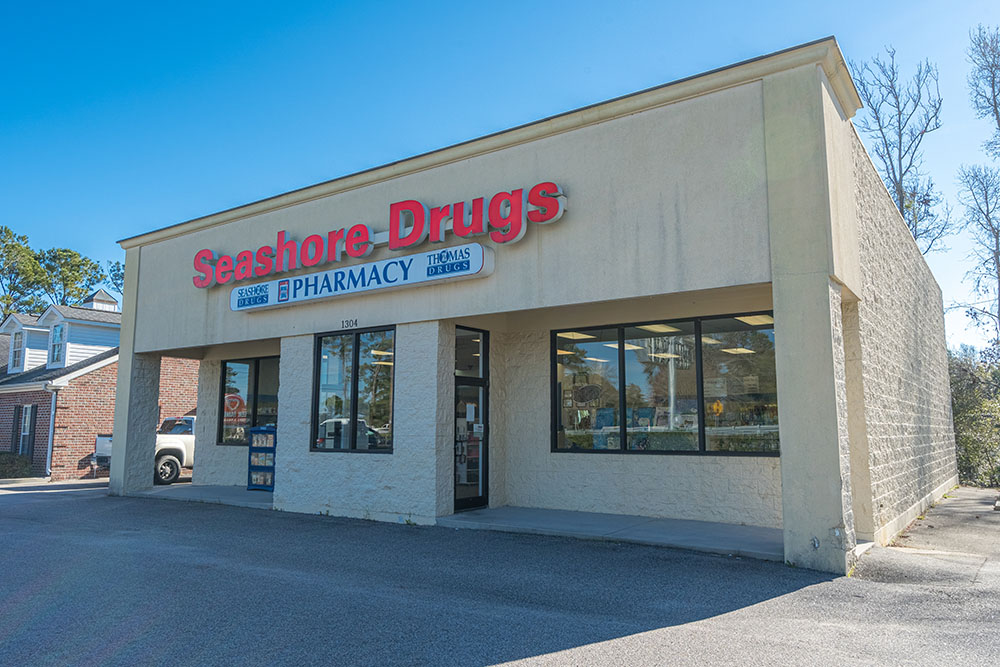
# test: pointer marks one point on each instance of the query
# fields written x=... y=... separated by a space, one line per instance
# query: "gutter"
x=54 y=390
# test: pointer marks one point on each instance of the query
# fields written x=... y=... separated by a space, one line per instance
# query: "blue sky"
x=118 y=118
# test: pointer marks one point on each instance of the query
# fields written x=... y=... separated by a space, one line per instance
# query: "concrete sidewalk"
x=956 y=543
x=718 y=538
x=237 y=496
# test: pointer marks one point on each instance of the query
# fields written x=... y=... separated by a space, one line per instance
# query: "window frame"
x=62 y=327
x=255 y=362
x=555 y=399
x=353 y=425
x=17 y=350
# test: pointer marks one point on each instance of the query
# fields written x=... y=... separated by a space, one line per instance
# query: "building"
x=57 y=390
x=696 y=301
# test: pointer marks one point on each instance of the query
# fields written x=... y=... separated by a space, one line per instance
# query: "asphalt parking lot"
x=94 y=580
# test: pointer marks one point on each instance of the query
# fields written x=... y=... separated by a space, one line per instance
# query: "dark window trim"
x=255 y=365
x=314 y=399
x=484 y=383
x=555 y=398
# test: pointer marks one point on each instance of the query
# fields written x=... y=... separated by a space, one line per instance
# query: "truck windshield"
x=175 y=427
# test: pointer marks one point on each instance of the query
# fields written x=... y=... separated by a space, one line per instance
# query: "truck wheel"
x=168 y=469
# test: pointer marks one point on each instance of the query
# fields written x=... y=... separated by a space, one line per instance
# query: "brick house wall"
x=178 y=387
x=86 y=408
x=43 y=401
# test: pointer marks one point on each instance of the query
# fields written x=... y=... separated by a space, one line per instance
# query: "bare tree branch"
x=899 y=114
x=984 y=81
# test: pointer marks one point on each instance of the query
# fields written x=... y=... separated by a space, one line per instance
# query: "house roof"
x=24 y=318
x=88 y=314
x=101 y=296
x=43 y=374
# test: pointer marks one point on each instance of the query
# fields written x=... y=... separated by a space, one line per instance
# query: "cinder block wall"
x=904 y=361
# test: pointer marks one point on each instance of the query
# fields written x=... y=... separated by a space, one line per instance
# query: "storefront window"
x=587 y=377
x=695 y=386
x=741 y=398
x=249 y=398
x=661 y=390
x=334 y=400
x=375 y=364
x=352 y=406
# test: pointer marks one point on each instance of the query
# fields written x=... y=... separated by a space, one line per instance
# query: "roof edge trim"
x=824 y=52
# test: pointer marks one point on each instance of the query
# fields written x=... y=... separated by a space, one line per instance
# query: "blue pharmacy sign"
x=471 y=260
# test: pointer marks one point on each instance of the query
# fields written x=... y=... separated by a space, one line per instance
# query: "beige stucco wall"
x=904 y=358
x=673 y=198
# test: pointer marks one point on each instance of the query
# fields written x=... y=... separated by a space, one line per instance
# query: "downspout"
x=54 y=390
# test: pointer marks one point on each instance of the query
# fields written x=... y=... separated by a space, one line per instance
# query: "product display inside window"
x=741 y=396
x=355 y=372
x=651 y=372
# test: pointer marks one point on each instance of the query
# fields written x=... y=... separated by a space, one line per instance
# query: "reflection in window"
x=375 y=364
x=587 y=382
x=352 y=405
x=336 y=368
x=249 y=398
x=656 y=371
x=661 y=390
x=237 y=402
x=741 y=399
x=468 y=353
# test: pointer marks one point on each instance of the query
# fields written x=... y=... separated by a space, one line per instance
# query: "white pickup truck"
x=174 y=449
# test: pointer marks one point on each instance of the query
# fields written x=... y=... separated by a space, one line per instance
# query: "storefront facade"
x=693 y=302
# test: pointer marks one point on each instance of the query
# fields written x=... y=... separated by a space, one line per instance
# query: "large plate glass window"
x=704 y=385
x=352 y=400
x=249 y=398
x=741 y=396
x=587 y=372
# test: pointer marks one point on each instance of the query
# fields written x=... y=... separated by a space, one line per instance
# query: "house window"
x=58 y=344
x=24 y=429
x=704 y=385
x=249 y=398
x=352 y=395
x=17 y=349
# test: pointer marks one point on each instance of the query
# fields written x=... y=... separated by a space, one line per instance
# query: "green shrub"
x=14 y=465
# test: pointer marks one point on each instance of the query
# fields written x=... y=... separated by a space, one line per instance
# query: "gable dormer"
x=28 y=342
x=101 y=300
x=76 y=333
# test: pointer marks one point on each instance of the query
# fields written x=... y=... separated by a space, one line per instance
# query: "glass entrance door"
x=471 y=418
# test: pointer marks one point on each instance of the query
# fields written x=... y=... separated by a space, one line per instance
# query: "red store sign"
x=504 y=218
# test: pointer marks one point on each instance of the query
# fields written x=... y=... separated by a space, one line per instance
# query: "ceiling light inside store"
x=756 y=320
x=658 y=328
x=737 y=350
x=382 y=363
x=708 y=340
x=475 y=340
x=665 y=355
x=381 y=352
x=603 y=361
x=475 y=354
x=574 y=335
x=628 y=346
x=564 y=352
